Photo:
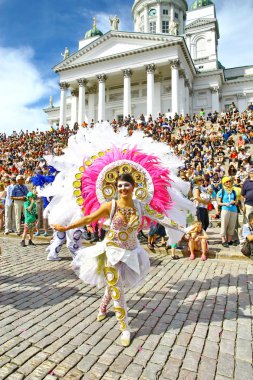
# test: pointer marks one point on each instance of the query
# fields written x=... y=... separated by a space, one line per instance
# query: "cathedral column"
x=150 y=88
x=241 y=102
x=182 y=91
x=159 y=19
x=172 y=13
x=91 y=103
x=158 y=94
x=81 y=106
x=101 y=97
x=74 y=102
x=63 y=86
x=215 y=98
x=187 y=96
x=146 y=25
x=191 y=95
x=127 y=73
x=175 y=85
x=181 y=22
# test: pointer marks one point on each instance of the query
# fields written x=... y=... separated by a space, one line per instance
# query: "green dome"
x=94 y=32
x=200 y=3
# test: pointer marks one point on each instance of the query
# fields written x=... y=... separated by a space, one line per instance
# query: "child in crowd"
x=31 y=217
x=156 y=231
x=197 y=240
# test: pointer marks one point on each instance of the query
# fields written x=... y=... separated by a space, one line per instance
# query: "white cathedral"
x=168 y=65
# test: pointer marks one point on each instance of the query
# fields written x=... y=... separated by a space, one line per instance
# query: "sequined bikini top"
x=124 y=228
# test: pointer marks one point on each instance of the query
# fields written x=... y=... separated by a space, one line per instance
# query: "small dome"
x=200 y=3
x=94 y=32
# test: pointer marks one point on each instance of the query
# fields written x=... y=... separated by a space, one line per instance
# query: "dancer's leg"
x=74 y=240
x=117 y=293
x=56 y=243
x=104 y=303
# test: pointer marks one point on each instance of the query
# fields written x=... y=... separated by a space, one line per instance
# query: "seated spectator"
x=247 y=237
x=240 y=142
x=197 y=240
x=232 y=171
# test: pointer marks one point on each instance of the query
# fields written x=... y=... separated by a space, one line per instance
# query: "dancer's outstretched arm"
x=102 y=212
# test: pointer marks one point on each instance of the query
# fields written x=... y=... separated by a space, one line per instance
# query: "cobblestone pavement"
x=190 y=320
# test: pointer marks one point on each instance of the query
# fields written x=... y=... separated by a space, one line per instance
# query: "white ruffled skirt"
x=133 y=265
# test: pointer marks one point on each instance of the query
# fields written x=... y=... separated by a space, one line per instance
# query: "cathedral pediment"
x=200 y=22
x=114 y=44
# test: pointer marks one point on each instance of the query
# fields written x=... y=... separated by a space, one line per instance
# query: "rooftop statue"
x=173 y=29
x=114 y=23
x=66 y=53
x=51 y=104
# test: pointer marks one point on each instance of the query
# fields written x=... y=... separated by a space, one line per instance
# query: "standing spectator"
x=247 y=193
x=2 y=203
x=31 y=217
x=227 y=200
x=9 y=207
x=18 y=194
x=202 y=200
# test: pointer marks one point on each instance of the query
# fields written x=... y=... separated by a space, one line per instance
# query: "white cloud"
x=22 y=87
x=235 y=23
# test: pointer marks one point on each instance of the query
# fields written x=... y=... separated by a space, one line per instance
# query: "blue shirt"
x=19 y=191
x=227 y=198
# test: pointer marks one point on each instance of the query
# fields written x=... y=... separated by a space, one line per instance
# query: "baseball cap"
x=20 y=177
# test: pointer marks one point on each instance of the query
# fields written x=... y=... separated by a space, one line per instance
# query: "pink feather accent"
x=161 y=201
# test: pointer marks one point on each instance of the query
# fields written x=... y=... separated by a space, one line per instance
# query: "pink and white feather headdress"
x=96 y=181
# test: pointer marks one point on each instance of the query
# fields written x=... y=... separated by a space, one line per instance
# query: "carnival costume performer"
x=73 y=238
x=128 y=186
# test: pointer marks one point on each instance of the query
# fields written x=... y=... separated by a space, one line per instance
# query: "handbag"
x=247 y=248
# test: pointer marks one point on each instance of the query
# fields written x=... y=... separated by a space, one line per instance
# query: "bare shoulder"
x=106 y=207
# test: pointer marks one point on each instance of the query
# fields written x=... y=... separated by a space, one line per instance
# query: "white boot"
x=125 y=338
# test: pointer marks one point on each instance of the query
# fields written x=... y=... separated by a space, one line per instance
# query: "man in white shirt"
x=9 y=207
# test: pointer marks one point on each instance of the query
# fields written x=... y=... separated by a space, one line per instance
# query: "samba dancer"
x=116 y=167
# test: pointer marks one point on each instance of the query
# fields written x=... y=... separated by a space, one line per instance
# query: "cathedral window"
x=201 y=48
x=152 y=27
x=176 y=15
x=165 y=11
x=165 y=27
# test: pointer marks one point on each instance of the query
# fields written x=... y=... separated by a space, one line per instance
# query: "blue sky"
x=34 y=33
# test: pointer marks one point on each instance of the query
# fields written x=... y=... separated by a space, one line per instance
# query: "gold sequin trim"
x=138 y=177
x=111 y=176
x=108 y=191
x=115 y=293
x=123 y=236
x=122 y=326
x=110 y=235
x=126 y=168
x=111 y=275
x=141 y=193
x=120 y=313
x=77 y=184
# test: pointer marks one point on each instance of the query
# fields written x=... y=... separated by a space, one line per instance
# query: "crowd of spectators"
x=212 y=147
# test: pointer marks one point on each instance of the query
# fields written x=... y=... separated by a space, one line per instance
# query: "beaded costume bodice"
x=124 y=228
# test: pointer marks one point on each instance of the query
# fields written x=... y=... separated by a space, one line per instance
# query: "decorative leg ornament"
x=103 y=306
x=59 y=238
x=115 y=284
